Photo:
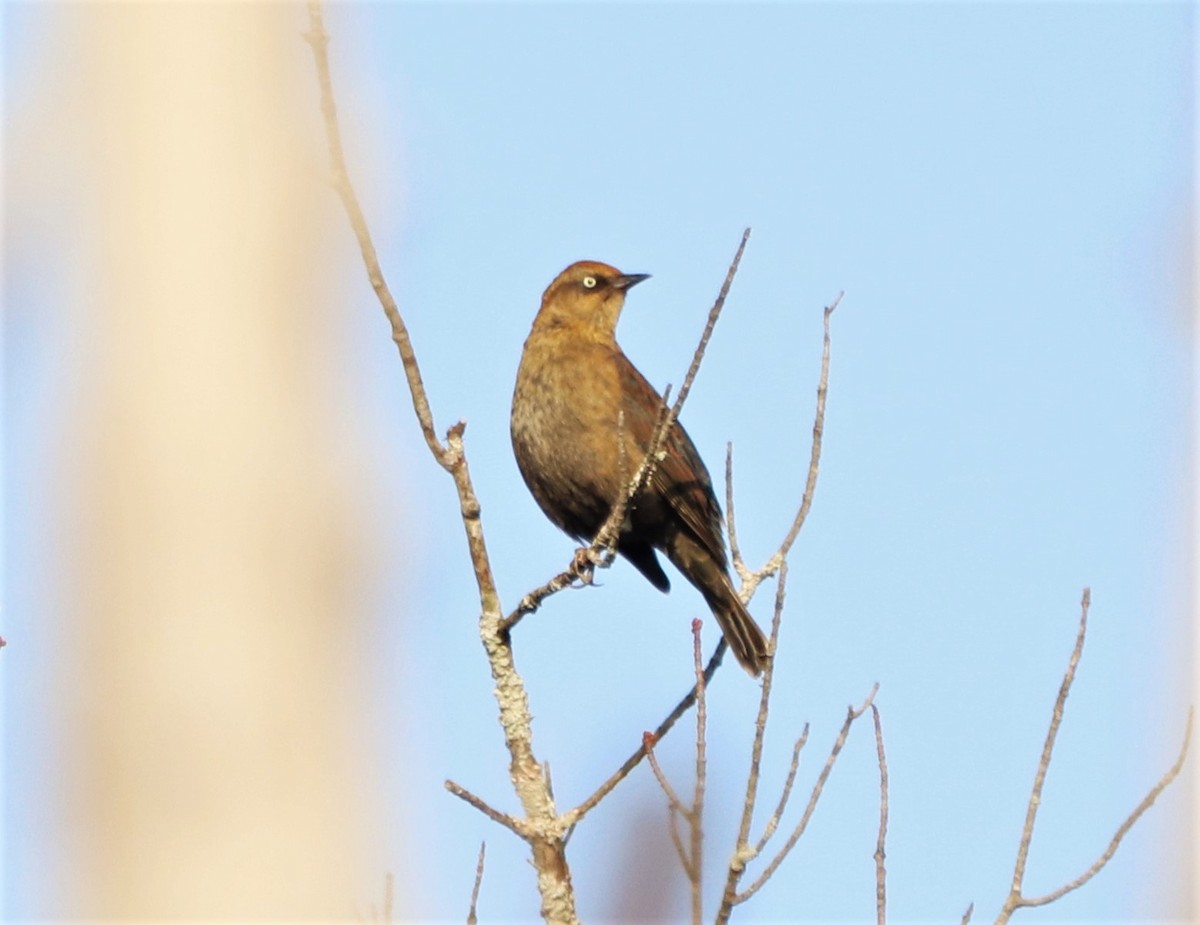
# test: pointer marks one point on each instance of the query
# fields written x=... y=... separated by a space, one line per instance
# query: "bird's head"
x=587 y=296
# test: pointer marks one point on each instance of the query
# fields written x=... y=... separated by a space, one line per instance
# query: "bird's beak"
x=629 y=280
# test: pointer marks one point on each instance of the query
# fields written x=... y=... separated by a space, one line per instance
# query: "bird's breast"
x=565 y=431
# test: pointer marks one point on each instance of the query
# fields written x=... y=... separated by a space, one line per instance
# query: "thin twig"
x=675 y=807
x=1016 y=900
x=784 y=795
x=472 y=918
x=750 y=580
x=735 y=552
x=851 y=715
x=742 y=852
x=673 y=800
x=1035 y=798
x=673 y=814
x=509 y=822
x=573 y=816
x=318 y=39
x=1147 y=802
x=696 y=816
x=880 y=854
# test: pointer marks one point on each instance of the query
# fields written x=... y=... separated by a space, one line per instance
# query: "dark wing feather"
x=680 y=478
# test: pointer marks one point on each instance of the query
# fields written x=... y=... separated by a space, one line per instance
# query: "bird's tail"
x=711 y=578
x=747 y=641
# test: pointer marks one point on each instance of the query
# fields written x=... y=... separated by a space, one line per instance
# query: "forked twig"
x=685 y=703
x=784 y=795
x=1016 y=900
x=691 y=856
x=851 y=715
x=751 y=580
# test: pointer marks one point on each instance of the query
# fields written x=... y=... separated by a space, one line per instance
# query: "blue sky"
x=1005 y=194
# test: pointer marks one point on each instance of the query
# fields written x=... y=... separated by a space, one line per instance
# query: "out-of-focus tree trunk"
x=214 y=746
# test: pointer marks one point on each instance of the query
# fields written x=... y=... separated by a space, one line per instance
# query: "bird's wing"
x=680 y=477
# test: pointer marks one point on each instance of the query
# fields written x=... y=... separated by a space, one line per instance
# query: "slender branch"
x=880 y=854
x=713 y=314
x=851 y=715
x=691 y=857
x=318 y=39
x=541 y=827
x=696 y=816
x=673 y=800
x=735 y=552
x=1147 y=802
x=742 y=852
x=751 y=580
x=509 y=822
x=673 y=814
x=1016 y=900
x=472 y=918
x=685 y=703
x=784 y=795
x=1035 y=798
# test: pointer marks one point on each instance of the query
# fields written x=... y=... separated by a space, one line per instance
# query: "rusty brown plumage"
x=576 y=393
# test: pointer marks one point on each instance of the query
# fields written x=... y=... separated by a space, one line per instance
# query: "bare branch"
x=752 y=579
x=573 y=816
x=880 y=854
x=673 y=800
x=851 y=715
x=318 y=39
x=1015 y=899
x=510 y=823
x=1147 y=802
x=742 y=853
x=673 y=814
x=541 y=828
x=735 y=552
x=472 y=918
x=784 y=795
x=696 y=816
x=1035 y=798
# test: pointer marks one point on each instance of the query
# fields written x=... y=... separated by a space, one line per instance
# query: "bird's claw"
x=584 y=565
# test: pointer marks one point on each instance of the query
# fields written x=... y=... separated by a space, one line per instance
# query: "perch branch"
x=542 y=830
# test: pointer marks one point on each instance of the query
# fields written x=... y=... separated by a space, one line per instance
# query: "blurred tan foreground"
x=211 y=587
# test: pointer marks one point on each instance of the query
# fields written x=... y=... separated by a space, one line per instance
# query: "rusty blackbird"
x=576 y=395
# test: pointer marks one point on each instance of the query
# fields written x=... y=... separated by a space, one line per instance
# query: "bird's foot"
x=584 y=564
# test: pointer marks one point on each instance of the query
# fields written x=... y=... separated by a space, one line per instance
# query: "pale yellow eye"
x=589 y=282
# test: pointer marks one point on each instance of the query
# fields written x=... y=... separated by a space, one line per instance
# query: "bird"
x=577 y=398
